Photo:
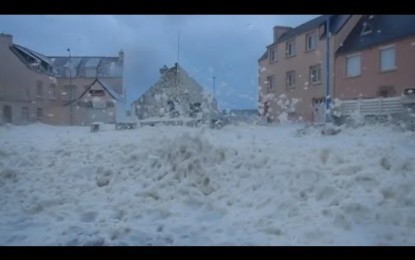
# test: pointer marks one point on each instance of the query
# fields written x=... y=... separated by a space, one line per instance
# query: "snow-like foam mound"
x=250 y=185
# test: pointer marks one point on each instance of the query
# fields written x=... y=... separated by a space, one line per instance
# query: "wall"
x=18 y=85
x=367 y=84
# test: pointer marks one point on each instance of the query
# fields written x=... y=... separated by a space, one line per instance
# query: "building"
x=28 y=88
x=97 y=103
x=103 y=74
x=35 y=87
x=377 y=59
x=175 y=94
x=292 y=71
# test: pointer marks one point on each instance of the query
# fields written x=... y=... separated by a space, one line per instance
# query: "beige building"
x=28 y=88
x=57 y=90
x=81 y=73
x=292 y=71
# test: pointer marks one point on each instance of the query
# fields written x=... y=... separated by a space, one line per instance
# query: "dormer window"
x=273 y=54
x=310 y=41
x=367 y=29
x=290 y=48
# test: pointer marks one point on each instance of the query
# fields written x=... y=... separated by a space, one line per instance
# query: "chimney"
x=163 y=69
x=6 y=39
x=279 y=30
x=121 y=56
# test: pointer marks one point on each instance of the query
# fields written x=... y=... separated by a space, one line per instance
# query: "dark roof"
x=385 y=28
x=336 y=23
x=264 y=56
x=32 y=53
x=303 y=28
x=33 y=60
x=87 y=66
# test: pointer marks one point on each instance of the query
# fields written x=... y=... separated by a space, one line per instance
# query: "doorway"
x=7 y=114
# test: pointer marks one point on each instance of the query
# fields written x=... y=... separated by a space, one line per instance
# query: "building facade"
x=37 y=88
x=28 y=88
x=377 y=59
x=175 y=94
x=292 y=71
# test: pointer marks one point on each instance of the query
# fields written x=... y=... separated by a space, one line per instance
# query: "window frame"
x=52 y=91
x=348 y=57
x=293 y=48
x=290 y=79
x=39 y=118
x=273 y=55
x=25 y=114
x=270 y=83
x=39 y=89
x=307 y=37
x=317 y=68
x=384 y=48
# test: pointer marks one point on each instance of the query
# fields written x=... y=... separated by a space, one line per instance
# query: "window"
x=310 y=41
x=322 y=29
x=290 y=79
x=386 y=91
x=39 y=89
x=270 y=83
x=97 y=92
x=353 y=66
x=290 y=48
x=387 y=58
x=315 y=74
x=39 y=114
x=52 y=91
x=273 y=54
x=25 y=114
x=317 y=101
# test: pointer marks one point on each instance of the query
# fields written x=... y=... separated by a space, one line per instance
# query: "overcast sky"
x=224 y=46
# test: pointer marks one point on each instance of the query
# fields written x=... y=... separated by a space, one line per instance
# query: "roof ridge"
x=83 y=56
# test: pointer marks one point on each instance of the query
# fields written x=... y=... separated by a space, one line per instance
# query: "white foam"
x=189 y=186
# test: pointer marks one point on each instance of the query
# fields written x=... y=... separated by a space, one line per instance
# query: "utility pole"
x=214 y=87
x=178 y=46
x=178 y=58
x=70 y=87
x=327 y=87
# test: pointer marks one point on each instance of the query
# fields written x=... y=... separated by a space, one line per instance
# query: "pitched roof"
x=111 y=90
x=303 y=28
x=87 y=66
x=33 y=60
x=90 y=67
x=176 y=72
x=336 y=23
x=32 y=53
x=264 y=56
x=114 y=94
x=384 y=29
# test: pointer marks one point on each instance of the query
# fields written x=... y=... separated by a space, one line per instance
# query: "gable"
x=374 y=30
x=100 y=88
